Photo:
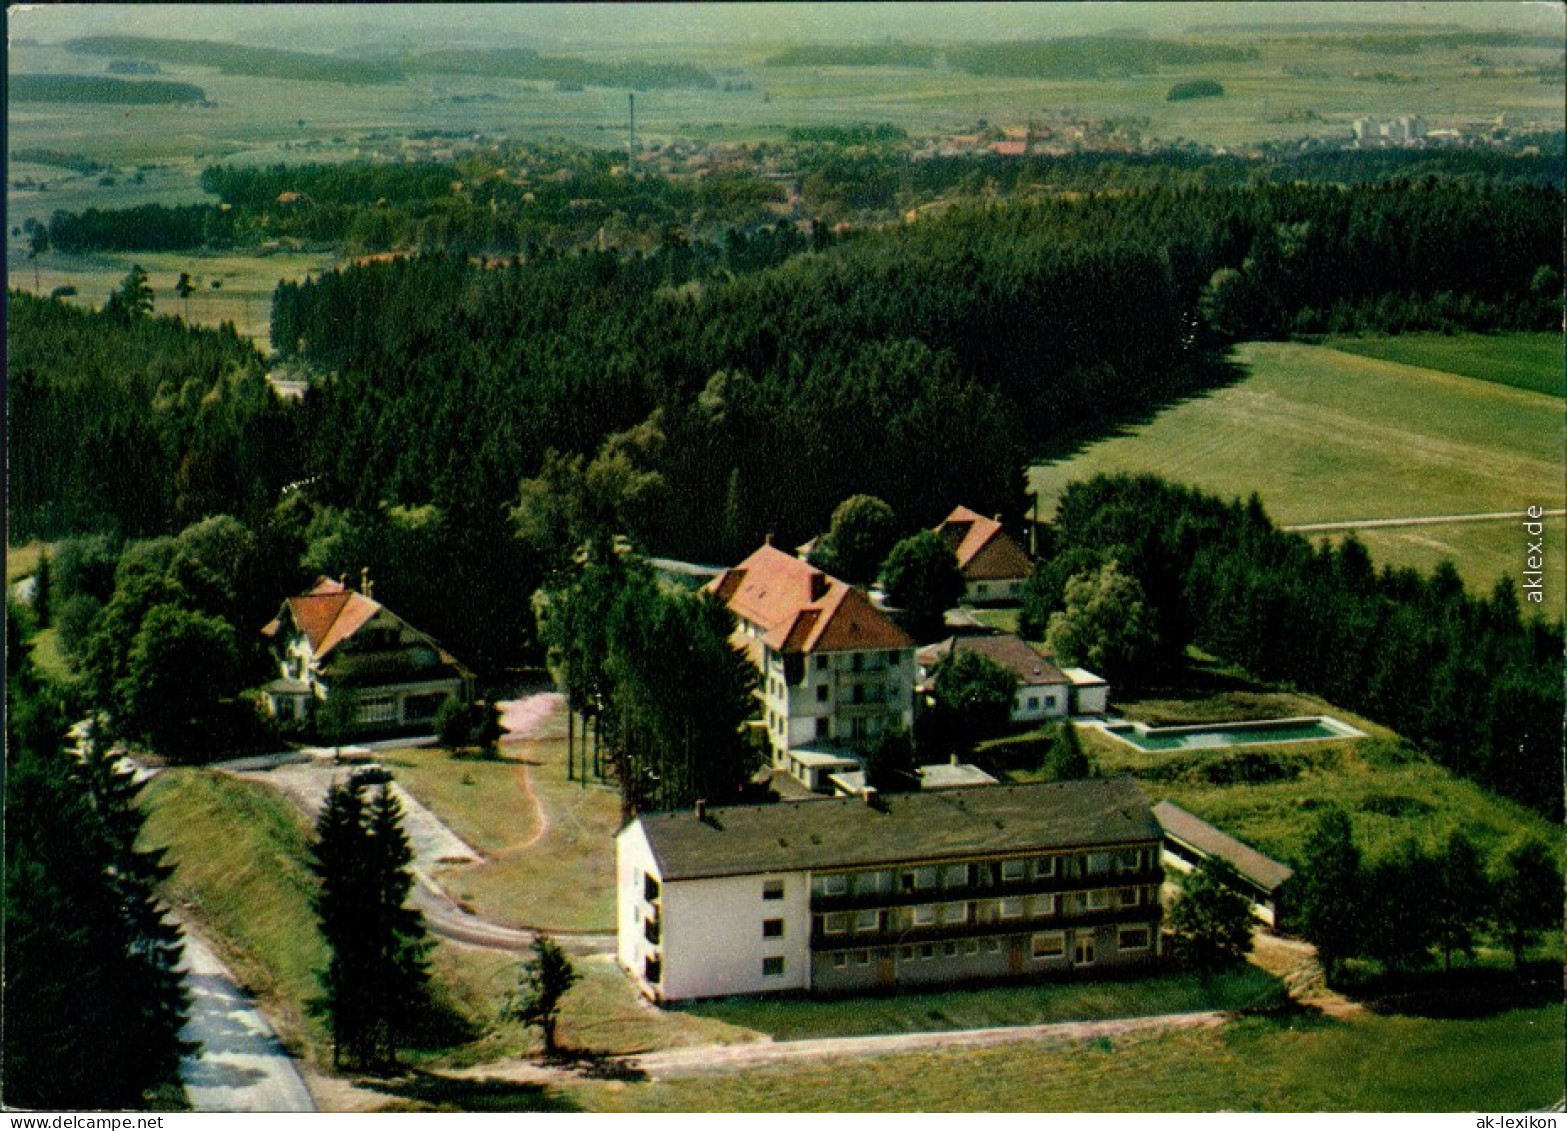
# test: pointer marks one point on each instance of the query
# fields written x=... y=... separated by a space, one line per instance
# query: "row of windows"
x=985 y=872
x=376 y=709
x=1043 y=946
x=981 y=911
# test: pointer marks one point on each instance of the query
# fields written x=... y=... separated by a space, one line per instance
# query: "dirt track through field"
x=1429 y=520
x=697 y=1060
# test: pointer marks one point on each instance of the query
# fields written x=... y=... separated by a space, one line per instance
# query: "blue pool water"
x=1212 y=735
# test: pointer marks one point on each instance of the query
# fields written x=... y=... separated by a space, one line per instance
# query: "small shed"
x=1189 y=840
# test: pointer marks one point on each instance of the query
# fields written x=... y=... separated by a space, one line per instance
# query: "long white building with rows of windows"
x=916 y=889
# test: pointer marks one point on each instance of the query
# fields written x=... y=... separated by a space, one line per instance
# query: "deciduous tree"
x=1528 y=887
x=977 y=693
x=1330 y=904
x=863 y=531
x=921 y=578
x=1105 y=626
x=1211 y=921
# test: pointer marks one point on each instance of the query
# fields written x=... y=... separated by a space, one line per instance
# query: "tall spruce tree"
x=373 y=986
x=93 y=1005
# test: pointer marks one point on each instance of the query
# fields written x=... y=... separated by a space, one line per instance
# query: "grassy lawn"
x=1523 y=361
x=1323 y=436
x=1002 y=620
x=602 y=1013
x=549 y=843
x=1267 y=794
x=239 y=851
x=50 y=658
x=1040 y=1003
x=21 y=561
x=1509 y=1062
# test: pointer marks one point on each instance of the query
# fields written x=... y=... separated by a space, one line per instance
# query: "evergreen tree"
x=93 y=1005
x=133 y=298
x=43 y=595
x=1211 y=922
x=1330 y=891
x=544 y=981
x=373 y=990
x=1064 y=759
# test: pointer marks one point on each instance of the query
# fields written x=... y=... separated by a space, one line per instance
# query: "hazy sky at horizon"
x=566 y=26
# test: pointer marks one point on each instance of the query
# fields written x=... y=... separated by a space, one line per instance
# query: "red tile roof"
x=328 y=614
x=985 y=552
x=801 y=609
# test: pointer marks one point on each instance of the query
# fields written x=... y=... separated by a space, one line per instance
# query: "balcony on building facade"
x=890 y=928
x=1129 y=866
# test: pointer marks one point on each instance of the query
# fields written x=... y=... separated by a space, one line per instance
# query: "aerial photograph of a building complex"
x=775 y=557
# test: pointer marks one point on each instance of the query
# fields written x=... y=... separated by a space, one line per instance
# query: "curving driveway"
x=240 y=1065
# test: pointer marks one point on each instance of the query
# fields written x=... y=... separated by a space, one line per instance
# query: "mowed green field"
x=1524 y=361
x=1325 y=436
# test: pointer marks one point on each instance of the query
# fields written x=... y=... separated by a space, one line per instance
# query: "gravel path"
x=1428 y=520
x=698 y=1060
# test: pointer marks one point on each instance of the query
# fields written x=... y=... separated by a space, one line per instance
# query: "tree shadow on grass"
x=1463 y=994
x=428 y=1091
x=597 y=1065
x=1205 y=373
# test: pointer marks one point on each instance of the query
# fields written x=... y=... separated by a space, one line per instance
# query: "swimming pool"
x=1210 y=735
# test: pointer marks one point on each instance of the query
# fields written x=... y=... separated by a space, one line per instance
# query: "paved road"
x=240 y=1066
x=1428 y=520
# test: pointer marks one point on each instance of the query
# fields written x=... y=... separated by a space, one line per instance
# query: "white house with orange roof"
x=332 y=641
x=835 y=671
x=993 y=565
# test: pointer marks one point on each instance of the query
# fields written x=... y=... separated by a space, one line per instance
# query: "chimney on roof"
x=701 y=808
x=364 y=578
x=871 y=796
x=769 y=539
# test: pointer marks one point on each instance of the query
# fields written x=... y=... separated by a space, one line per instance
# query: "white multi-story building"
x=835 y=671
x=903 y=890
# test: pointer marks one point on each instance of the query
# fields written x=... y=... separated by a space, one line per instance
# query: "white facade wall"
x=1042 y=701
x=712 y=936
x=819 y=708
x=633 y=860
x=713 y=940
x=1093 y=699
x=1003 y=591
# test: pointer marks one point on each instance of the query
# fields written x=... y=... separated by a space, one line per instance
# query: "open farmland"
x=1524 y=361
x=1326 y=436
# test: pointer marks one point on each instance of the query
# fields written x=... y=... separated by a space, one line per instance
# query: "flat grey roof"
x=845 y=832
x=1264 y=871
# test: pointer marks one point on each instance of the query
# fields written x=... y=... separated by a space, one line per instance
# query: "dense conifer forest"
x=470 y=421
